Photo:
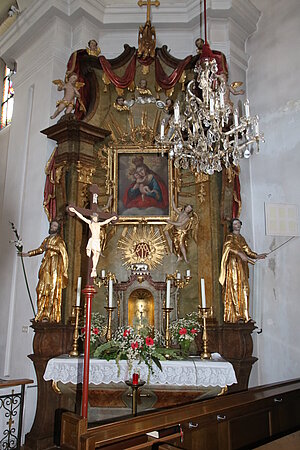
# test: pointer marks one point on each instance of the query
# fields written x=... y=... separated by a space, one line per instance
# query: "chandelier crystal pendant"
x=208 y=135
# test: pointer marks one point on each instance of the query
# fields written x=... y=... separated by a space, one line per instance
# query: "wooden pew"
x=230 y=422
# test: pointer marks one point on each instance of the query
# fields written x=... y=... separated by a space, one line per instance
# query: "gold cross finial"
x=149 y=3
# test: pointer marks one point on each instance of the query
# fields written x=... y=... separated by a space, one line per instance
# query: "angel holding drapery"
x=177 y=230
x=71 y=92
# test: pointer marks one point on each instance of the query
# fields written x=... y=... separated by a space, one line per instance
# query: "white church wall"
x=273 y=87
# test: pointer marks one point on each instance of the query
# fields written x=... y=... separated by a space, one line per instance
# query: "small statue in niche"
x=94 y=244
x=71 y=91
x=145 y=94
x=123 y=105
x=234 y=274
x=177 y=230
x=93 y=49
x=53 y=274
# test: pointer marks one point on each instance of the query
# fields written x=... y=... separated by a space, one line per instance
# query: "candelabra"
x=204 y=313
x=135 y=387
x=74 y=352
x=209 y=135
x=179 y=282
x=107 y=280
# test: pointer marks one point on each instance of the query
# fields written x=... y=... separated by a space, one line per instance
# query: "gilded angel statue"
x=71 y=91
x=177 y=230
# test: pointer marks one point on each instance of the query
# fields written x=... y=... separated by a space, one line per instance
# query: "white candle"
x=102 y=273
x=188 y=272
x=78 y=291
x=168 y=296
x=236 y=118
x=162 y=129
x=211 y=105
x=203 y=299
x=247 y=108
x=110 y=293
x=178 y=275
x=176 y=112
x=222 y=102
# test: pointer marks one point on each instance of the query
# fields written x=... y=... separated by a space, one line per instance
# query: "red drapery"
x=168 y=81
x=236 y=201
x=120 y=82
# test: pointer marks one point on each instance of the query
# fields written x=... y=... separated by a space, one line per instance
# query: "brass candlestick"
x=74 y=352
x=134 y=388
x=109 y=310
x=204 y=313
x=167 y=312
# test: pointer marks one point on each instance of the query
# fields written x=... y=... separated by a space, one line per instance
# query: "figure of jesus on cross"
x=93 y=247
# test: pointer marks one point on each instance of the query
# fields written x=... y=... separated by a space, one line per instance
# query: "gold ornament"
x=142 y=245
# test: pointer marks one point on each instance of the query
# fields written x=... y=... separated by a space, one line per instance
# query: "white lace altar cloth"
x=190 y=372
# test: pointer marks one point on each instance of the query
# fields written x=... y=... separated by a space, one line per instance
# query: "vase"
x=185 y=348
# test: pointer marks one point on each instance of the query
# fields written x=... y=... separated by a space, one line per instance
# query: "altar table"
x=192 y=372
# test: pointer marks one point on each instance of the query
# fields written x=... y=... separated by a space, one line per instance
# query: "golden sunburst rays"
x=142 y=245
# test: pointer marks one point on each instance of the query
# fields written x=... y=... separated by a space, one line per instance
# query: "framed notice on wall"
x=282 y=219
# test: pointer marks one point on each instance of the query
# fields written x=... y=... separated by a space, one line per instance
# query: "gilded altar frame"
x=122 y=178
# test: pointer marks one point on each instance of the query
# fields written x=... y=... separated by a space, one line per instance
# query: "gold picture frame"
x=143 y=185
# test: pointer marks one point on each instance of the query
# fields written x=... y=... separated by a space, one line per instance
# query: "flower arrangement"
x=142 y=345
x=183 y=331
x=98 y=330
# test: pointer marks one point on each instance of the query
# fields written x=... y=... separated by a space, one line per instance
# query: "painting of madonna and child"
x=143 y=185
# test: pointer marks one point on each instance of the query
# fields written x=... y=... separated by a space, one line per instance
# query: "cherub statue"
x=94 y=244
x=230 y=89
x=145 y=94
x=177 y=233
x=122 y=105
x=93 y=49
x=71 y=91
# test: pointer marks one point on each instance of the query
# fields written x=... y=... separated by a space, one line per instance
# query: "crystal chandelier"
x=208 y=135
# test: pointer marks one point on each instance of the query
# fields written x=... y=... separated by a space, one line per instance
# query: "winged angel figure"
x=71 y=91
x=177 y=230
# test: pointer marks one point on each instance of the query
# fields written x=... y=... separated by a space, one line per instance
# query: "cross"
x=94 y=208
x=149 y=3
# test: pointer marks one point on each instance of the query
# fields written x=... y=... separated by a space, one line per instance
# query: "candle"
x=188 y=272
x=203 y=299
x=236 y=118
x=222 y=102
x=247 y=108
x=102 y=273
x=162 y=129
x=176 y=112
x=110 y=293
x=211 y=105
x=178 y=275
x=168 y=297
x=78 y=291
x=135 y=379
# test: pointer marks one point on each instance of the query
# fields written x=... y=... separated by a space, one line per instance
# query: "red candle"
x=135 y=379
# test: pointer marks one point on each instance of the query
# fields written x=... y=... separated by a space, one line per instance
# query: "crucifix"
x=148 y=3
x=96 y=234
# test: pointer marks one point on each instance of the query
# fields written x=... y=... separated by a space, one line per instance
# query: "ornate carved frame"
x=114 y=180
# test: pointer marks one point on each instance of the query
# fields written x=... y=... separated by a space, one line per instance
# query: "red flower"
x=134 y=345
x=96 y=330
x=83 y=330
x=126 y=333
x=194 y=331
x=149 y=341
x=182 y=331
